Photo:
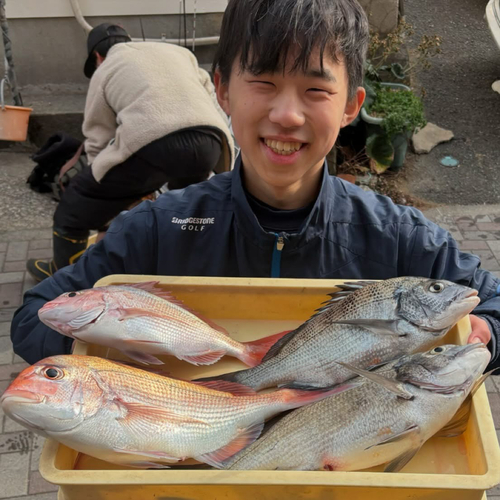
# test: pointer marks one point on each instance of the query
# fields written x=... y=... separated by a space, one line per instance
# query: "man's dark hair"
x=261 y=33
x=102 y=48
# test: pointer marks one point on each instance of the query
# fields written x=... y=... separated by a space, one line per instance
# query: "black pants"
x=181 y=159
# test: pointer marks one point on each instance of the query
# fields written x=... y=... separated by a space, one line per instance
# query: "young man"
x=289 y=74
x=151 y=117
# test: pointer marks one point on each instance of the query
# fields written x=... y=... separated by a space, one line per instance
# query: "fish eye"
x=72 y=294
x=53 y=373
x=437 y=350
x=436 y=287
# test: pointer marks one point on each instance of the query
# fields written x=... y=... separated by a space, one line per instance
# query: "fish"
x=128 y=416
x=144 y=321
x=365 y=324
x=385 y=420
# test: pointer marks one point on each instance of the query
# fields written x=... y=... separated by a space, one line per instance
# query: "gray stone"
x=12 y=426
x=14 y=469
x=6 y=351
x=496 y=86
x=4 y=328
x=17 y=250
x=426 y=139
x=14 y=277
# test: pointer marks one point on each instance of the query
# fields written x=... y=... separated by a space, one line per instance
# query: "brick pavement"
x=477 y=229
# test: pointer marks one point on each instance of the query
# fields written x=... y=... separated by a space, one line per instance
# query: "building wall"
x=54 y=50
x=49 y=46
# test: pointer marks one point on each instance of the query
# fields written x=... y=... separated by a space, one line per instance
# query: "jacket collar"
x=312 y=227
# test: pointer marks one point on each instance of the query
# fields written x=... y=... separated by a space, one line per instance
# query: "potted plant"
x=392 y=113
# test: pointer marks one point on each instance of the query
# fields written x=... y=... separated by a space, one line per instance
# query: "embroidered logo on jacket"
x=193 y=223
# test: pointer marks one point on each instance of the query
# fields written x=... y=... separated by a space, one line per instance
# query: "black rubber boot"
x=67 y=251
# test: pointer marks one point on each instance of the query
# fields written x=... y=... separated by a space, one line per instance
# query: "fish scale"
x=391 y=328
x=348 y=431
x=143 y=325
x=132 y=417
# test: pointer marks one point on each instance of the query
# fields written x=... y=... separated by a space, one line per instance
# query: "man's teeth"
x=283 y=148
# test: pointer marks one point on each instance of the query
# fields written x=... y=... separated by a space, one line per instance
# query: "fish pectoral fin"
x=124 y=313
x=400 y=461
x=225 y=386
x=344 y=386
x=376 y=326
x=458 y=422
x=85 y=318
x=242 y=440
x=391 y=385
x=206 y=358
x=413 y=430
x=155 y=455
x=142 y=357
x=131 y=411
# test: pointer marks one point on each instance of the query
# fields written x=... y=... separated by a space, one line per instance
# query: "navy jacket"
x=208 y=229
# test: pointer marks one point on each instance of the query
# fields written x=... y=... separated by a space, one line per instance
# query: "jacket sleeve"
x=433 y=252
x=129 y=247
x=99 y=122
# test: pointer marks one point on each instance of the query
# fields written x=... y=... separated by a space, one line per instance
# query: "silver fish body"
x=365 y=326
x=370 y=425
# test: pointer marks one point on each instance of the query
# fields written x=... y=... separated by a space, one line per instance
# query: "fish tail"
x=255 y=351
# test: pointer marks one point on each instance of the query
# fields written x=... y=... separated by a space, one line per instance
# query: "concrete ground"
x=459 y=97
x=25 y=231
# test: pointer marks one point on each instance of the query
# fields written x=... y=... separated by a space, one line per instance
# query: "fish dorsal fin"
x=224 y=386
x=346 y=289
x=242 y=440
x=277 y=346
x=391 y=385
x=150 y=286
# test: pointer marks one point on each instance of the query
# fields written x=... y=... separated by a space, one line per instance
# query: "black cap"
x=96 y=36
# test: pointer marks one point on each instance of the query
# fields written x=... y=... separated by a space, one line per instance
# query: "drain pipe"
x=209 y=40
x=79 y=16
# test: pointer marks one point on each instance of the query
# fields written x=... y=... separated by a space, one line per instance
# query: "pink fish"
x=143 y=321
x=132 y=417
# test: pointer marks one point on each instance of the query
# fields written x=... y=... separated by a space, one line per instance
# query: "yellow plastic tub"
x=461 y=468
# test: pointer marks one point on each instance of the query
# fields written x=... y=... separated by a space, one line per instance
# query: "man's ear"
x=353 y=106
x=222 y=92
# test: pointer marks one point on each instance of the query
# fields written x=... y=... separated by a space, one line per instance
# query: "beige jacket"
x=142 y=92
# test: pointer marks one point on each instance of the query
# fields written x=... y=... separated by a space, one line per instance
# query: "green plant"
x=382 y=48
x=401 y=110
x=392 y=115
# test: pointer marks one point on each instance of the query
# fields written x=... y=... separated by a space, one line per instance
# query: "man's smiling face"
x=286 y=123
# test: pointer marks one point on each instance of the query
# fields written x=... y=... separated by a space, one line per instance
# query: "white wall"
x=16 y=9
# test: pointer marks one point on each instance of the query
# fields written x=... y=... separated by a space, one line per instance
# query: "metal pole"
x=9 y=61
x=194 y=27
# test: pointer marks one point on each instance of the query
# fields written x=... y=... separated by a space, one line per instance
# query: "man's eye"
x=319 y=90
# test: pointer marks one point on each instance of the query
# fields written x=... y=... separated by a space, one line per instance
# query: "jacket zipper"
x=276 y=259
